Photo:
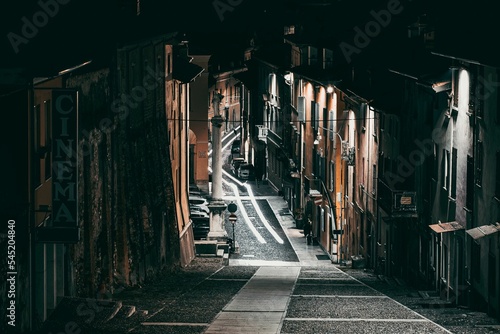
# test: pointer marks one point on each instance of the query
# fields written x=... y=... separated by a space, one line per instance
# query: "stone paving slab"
x=328 y=281
x=162 y=329
x=260 y=305
x=360 y=327
x=246 y=322
x=332 y=274
x=335 y=290
x=377 y=307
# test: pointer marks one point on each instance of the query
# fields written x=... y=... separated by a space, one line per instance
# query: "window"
x=313 y=115
x=327 y=58
x=312 y=55
x=316 y=116
x=374 y=184
x=469 y=200
x=332 y=134
x=454 y=173
x=479 y=163
x=325 y=122
x=445 y=175
x=332 y=176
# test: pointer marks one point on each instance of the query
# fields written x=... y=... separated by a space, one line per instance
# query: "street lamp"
x=226 y=114
x=232 y=218
x=232 y=208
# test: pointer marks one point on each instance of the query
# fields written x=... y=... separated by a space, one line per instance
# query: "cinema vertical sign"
x=64 y=227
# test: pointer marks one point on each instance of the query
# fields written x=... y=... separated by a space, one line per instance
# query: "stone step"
x=85 y=315
x=424 y=294
x=127 y=318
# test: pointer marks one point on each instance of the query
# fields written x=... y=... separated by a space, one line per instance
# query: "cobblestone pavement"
x=325 y=298
x=456 y=319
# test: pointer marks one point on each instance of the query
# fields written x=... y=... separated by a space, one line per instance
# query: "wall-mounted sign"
x=65 y=169
x=405 y=201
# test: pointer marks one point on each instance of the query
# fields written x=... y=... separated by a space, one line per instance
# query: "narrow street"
x=274 y=283
x=296 y=288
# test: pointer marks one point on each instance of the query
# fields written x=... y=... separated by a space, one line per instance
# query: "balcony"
x=397 y=203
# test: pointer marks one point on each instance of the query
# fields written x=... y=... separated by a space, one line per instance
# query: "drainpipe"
x=448 y=272
x=301 y=92
x=31 y=212
x=368 y=168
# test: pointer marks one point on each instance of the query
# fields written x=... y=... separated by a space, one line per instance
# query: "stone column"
x=217 y=205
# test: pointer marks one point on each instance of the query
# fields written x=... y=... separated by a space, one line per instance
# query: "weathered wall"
x=486 y=281
x=128 y=231
x=198 y=116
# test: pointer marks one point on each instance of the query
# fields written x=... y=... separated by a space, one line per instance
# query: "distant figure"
x=307 y=228
x=258 y=178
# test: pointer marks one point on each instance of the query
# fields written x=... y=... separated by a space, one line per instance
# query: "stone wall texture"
x=126 y=205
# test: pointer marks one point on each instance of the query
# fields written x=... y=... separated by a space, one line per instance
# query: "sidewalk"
x=309 y=255
x=260 y=306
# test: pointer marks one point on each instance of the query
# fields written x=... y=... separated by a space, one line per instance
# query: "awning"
x=446 y=227
x=482 y=231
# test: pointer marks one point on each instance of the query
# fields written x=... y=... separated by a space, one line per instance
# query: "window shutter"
x=301 y=108
x=316 y=116
x=331 y=125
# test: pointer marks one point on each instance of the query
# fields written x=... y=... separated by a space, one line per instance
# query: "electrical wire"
x=305 y=121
